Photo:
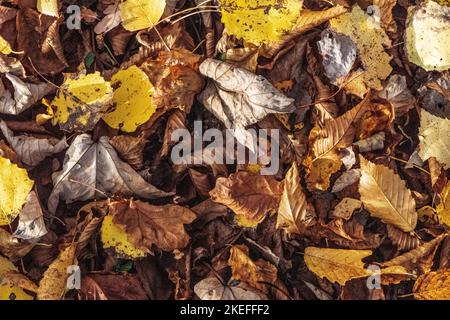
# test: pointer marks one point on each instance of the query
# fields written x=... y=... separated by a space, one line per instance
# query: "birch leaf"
x=91 y=166
x=81 y=102
x=427 y=36
x=385 y=196
x=133 y=103
x=140 y=14
x=370 y=42
x=14 y=189
x=294 y=212
x=260 y=21
x=434 y=135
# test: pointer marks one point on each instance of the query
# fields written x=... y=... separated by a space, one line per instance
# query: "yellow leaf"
x=433 y=286
x=132 y=99
x=427 y=36
x=81 y=101
x=54 y=281
x=260 y=21
x=114 y=237
x=249 y=271
x=140 y=14
x=294 y=212
x=443 y=209
x=5 y=48
x=385 y=196
x=14 y=189
x=8 y=291
x=369 y=40
x=48 y=7
x=434 y=135
x=318 y=174
x=340 y=265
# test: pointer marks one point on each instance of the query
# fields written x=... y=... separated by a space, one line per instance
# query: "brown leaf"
x=433 y=286
x=130 y=149
x=385 y=196
x=255 y=273
x=112 y=287
x=403 y=240
x=249 y=195
x=294 y=212
x=213 y=289
x=148 y=225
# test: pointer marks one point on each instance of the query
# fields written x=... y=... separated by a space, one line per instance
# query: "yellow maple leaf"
x=140 y=14
x=114 y=237
x=81 y=101
x=370 y=42
x=14 y=189
x=260 y=21
x=132 y=100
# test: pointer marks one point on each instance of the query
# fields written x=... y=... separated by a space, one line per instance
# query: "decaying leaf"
x=147 y=225
x=425 y=22
x=255 y=273
x=53 y=284
x=240 y=98
x=385 y=196
x=130 y=149
x=443 y=209
x=370 y=41
x=433 y=286
x=132 y=100
x=260 y=21
x=346 y=207
x=92 y=169
x=294 y=212
x=250 y=196
x=10 y=291
x=14 y=189
x=32 y=151
x=31 y=220
x=213 y=289
x=434 y=135
x=81 y=102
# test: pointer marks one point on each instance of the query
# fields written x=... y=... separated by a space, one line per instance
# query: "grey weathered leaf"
x=240 y=98
x=213 y=289
x=397 y=93
x=31 y=220
x=339 y=54
x=31 y=150
x=91 y=169
x=373 y=143
x=346 y=179
x=25 y=95
x=111 y=20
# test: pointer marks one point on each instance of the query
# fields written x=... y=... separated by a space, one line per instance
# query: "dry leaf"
x=433 y=286
x=434 y=135
x=385 y=196
x=213 y=289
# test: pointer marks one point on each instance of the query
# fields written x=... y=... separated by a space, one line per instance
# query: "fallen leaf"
x=346 y=179
x=434 y=135
x=132 y=100
x=31 y=220
x=255 y=273
x=53 y=283
x=148 y=225
x=213 y=289
x=48 y=7
x=443 y=209
x=139 y=14
x=259 y=21
x=294 y=212
x=385 y=196
x=81 y=101
x=433 y=286
x=425 y=22
x=14 y=189
x=112 y=287
x=32 y=151
x=130 y=149
x=346 y=207
x=97 y=166
x=250 y=196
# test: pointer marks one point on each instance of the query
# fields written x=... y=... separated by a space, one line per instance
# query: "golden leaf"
x=53 y=283
x=139 y=14
x=14 y=189
x=433 y=286
x=294 y=212
x=434 y=135
x=340 y=265
x=385 y=196
x=252 y=272
x=370 y=41
x=10 y=291
x=443 y=209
